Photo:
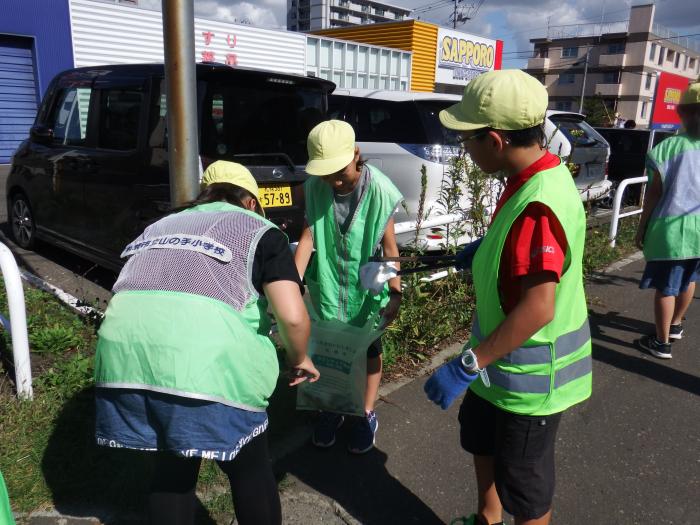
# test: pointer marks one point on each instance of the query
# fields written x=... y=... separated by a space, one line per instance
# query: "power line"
x=591 y=46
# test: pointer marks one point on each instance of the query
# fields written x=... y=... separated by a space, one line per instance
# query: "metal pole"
x=17 y=323
x=454 y=17
x=181 y=96
x=583 y=86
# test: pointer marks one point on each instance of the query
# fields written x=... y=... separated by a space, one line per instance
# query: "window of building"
x=611 y=77
x=643 y=112
x=616 y=48
x=685 y=62
x=647 y=84
x=379 y=11
x=120 y=114
x=691 y=63
x=652 y=52
x=662 y=55
x=566 y=78
x=570 y=52
x=69 y=122
x=542 y=52
x=563 y=105
x=677 y=62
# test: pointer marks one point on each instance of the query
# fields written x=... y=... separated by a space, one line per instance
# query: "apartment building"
x=619 y=63
x=310 y=15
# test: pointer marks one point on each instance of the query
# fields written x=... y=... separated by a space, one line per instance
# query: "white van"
x=398 y=132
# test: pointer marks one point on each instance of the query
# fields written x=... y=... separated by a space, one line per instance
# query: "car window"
x=120 y=114
x=70 y=118
x=261 y=118
x=429 y=111
x=579 y=133
x=386 y=121
x=336 y=107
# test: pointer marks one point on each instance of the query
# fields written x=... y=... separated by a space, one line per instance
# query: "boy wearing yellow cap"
x=349 y=214
x=669 y=229
x=529 y=356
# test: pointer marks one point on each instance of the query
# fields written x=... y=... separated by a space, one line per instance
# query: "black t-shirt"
x=273 y=261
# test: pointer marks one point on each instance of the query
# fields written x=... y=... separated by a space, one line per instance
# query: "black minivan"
x=94 y=171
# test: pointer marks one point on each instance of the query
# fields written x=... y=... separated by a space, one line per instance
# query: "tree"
x=597 y=111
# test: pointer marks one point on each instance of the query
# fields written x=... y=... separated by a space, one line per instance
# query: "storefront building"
x=444 y=60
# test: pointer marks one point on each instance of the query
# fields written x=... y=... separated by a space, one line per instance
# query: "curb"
x=614 y=267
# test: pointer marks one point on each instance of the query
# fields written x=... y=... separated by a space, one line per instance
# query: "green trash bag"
x=339 y=352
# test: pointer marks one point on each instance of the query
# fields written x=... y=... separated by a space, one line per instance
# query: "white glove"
x=375 y=275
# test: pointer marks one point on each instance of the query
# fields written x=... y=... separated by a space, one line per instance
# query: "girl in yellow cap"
x=184 y=366
x=349 y=214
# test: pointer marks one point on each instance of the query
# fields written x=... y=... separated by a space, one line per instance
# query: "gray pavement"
x=630 y=455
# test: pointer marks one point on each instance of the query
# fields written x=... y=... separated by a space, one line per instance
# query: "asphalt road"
x=629 y=455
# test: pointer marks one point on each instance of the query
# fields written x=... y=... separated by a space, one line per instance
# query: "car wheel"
x=22 y=221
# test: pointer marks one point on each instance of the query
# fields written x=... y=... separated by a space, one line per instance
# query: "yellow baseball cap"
x=507 y=99
x=232 y=173
x=691 y=95
x=331 y=146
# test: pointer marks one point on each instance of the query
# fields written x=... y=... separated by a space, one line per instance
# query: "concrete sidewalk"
x=630 y=455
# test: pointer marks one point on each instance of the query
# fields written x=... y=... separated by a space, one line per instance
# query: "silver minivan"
x=398 y=132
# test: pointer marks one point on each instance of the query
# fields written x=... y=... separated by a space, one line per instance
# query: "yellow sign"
x=466 y=52
x=275 y=196
x=672 y=96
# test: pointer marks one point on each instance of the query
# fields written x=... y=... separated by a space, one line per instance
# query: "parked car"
x=571 y=136
x=94 y=171
x=400 y=131
x=628 y=150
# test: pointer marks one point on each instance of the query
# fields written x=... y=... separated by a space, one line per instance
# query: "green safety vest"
x=6 y=516
x=552 y=369
x=171 y=329
x=333 y=276
x=673 y=232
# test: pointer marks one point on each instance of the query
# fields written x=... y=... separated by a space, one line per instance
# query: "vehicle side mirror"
x=41 y=134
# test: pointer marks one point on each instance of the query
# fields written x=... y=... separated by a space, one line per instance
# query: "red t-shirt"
x=536 y=241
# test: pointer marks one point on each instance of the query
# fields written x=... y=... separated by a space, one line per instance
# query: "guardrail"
x=616 y=213
x=17 y=323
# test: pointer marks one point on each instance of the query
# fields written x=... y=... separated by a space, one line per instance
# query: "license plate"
x=275 y=196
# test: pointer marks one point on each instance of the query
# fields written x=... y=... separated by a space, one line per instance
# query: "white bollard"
x=18 y=322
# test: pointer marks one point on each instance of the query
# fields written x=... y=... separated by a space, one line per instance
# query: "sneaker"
x=676 y=332
x=326 y=427
x=655 y=347
x=362 y=436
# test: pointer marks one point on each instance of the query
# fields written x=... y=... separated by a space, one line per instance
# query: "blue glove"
x=466 y=256
x=448 y=382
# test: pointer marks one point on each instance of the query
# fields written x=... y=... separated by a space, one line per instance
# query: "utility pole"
x=181 y=97
x=454 y=16
x=583 y=85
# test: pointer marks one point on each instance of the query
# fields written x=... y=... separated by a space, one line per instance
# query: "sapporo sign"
x=462 y=57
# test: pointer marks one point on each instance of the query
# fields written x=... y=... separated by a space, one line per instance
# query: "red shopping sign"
x=668 y=94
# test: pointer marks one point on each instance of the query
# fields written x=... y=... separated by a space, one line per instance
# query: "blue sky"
x=513 y=21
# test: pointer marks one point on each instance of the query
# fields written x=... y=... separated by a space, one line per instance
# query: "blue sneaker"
x=326 y=426
x=362 y=435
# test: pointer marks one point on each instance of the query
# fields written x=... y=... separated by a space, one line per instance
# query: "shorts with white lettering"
x=144 y=420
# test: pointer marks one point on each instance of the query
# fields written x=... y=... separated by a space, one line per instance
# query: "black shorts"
x=523 y=452
x=375 y=349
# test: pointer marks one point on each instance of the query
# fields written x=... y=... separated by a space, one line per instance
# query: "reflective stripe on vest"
x=538 y=355
x=534 y=384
